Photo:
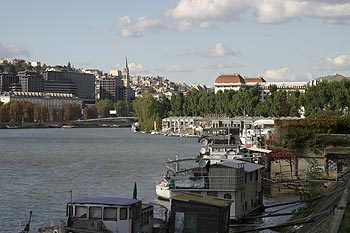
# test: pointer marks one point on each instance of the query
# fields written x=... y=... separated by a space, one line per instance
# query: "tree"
x=147 y=111
x=103 y=107
x=28 y=112
x=177 y=102
x=71 y=111
x=90 y=113
x=53 y=115
x=121 y=108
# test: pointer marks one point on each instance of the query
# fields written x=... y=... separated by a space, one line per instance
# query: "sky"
x=191 y=41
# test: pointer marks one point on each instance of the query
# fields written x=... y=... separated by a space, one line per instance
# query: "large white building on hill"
x=236 y=82
x=49 y=100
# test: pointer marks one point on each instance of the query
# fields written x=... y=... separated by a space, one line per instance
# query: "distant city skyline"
x=183 y=40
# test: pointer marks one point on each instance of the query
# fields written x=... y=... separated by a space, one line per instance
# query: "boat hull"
x=163 y=192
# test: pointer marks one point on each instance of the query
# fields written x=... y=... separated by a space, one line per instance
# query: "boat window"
x=123 y=213
x=95 y=212
x=81 y=211
x=110 y=213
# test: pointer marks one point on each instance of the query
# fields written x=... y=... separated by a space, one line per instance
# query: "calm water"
x=38 y=167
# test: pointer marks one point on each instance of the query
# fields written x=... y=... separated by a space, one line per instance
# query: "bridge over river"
x=106 y=122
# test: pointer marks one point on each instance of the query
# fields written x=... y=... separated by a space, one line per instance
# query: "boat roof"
x=258 y=149
x=189 y=197
x=106 y=201
x=248 y=167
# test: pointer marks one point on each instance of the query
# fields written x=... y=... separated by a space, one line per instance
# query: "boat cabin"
x=196 y=213
x=109 y=213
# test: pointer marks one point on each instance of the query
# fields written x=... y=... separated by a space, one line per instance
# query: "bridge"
x=107 y=122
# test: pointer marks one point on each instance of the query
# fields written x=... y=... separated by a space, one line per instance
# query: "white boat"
x=216 y=172
x=135 y=127
x=235 y=180
x=154 y=132
x=257 y=132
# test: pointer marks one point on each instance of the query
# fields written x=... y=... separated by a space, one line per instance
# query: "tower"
x=126 y=80
x=126 y=76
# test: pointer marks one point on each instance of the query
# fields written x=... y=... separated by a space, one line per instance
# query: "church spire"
x=126 y=68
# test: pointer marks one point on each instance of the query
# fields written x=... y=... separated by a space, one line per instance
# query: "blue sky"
x=191 y=41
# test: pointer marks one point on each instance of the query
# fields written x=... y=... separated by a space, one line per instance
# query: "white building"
x=236 y=82
x=49 y=100
x=281 y=86
x=180 y=124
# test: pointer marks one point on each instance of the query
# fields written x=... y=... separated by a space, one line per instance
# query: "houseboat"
x=105 y=214
x=234 y=180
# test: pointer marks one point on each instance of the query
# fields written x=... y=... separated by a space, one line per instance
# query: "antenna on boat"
x=26 y=228
x=70 y=208
x=134 y=193
x=71 y=196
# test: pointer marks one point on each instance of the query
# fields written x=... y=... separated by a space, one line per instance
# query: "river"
x=38 y=167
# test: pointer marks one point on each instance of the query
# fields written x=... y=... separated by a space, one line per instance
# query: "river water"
x=38 y=167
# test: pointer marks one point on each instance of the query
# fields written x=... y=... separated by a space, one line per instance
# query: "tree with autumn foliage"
x=71 y=111
x=90 y=112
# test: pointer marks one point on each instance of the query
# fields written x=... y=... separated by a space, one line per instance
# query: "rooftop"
x=106 y=201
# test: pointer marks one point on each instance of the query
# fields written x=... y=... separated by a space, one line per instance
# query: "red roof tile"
x=236 y=78
x=255 y=80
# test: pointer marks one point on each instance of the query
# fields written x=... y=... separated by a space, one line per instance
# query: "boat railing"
x=207 y=182
x=58 y=224
x=59 y=220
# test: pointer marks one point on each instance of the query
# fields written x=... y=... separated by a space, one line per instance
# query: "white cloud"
x=220 y=50
x=124 y=21
x=222 y=66
x=134 y=68
x=184 y=25
x=130 y=28
x=177 y=68
x=272 y=11
x=207 y=25
x=342 y=62
x=276 y=11
x=8 y=51
x=267 y=11
x=208 y=9
x=282 y=74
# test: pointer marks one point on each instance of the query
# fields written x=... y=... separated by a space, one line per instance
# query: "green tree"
x=121 y=108
x=147 y=111
x=177 y=102
x=103 y=107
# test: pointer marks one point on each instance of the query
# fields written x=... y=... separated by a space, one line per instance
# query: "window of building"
x=123 y=213
x=110 y=214
x=227 y=196
x=95 y=212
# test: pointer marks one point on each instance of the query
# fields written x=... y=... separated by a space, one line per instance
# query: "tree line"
x=22 y=111
x=325 y=100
